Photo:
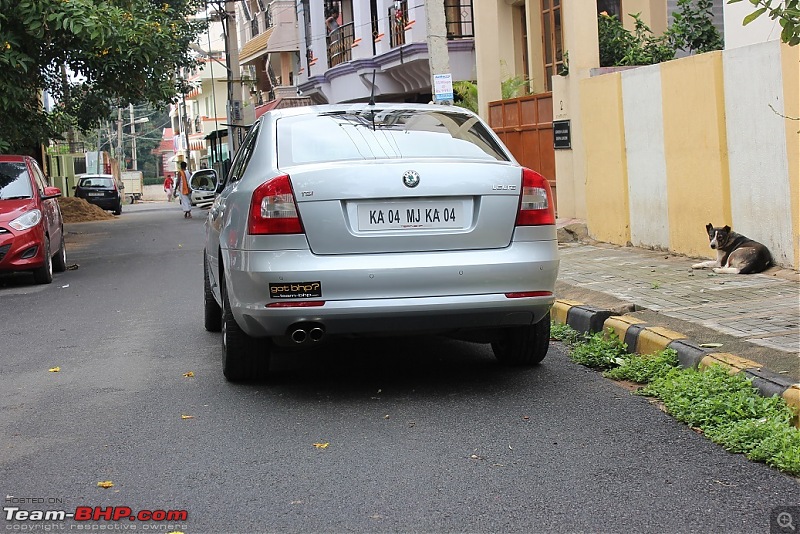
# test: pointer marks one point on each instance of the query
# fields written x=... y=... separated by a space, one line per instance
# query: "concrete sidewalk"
x=752 y=318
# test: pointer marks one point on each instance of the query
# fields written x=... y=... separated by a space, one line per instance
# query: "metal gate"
x=525 y=125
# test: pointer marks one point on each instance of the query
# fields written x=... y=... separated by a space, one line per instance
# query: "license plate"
x=411 y=215
x=96 y=194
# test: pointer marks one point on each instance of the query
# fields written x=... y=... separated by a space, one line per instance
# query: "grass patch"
x=565 y=333
x=725 y=407
x=599 y=351
x=644 y=369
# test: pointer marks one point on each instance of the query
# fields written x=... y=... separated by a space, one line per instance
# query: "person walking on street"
x=182 y=178
x=168 y=187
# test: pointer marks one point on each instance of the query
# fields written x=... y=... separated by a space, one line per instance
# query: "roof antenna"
x=372 y=93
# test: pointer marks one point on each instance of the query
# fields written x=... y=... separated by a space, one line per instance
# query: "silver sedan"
x=360 y=220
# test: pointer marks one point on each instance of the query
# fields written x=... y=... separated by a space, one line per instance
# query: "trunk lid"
x=374 y=207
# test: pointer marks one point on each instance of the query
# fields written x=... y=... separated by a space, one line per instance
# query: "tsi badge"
x=295 y=290
x=411 y=178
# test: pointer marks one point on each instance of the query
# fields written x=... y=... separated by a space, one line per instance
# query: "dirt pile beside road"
x=78 y=210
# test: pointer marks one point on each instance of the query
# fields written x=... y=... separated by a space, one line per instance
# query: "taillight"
x=273 y=209
x=528 y=294
x=536 y=204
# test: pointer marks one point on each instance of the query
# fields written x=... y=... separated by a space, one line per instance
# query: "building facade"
x=202 y=109
x=654 y=153
x=351 y=50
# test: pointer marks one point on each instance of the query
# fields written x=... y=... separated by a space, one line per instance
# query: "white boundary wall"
x=758 y=162
x=647 y=166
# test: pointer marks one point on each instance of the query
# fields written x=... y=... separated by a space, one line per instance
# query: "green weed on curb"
x=725 y=407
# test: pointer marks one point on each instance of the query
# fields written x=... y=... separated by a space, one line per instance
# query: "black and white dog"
x=736 y=254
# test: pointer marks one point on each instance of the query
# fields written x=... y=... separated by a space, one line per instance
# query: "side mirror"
x=204 y=180
x=51 y=192
x=203 y=184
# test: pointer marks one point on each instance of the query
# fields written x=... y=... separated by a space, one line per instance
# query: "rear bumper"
x=395 y=316
x=391 y=293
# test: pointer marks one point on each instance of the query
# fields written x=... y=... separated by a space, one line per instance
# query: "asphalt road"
x=424 y=435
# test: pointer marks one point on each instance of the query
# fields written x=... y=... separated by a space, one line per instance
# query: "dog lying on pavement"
x=736 y=254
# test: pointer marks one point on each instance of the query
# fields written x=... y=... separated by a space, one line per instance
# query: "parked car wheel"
x=524 y=345
x=242 y=359
x=44 y=274
x=60 y=259
x=118 y=210
x=212 y=311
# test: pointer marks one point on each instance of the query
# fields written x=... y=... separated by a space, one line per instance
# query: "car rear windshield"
x=14 y=181
x=96 y=181
x=378 y=134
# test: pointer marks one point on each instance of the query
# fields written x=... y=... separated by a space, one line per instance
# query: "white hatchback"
x=359 y=220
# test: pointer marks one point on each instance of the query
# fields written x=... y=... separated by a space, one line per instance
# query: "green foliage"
x=712 y=397
x=692 y=30
x=599 y=351
x=466 y=92
x=565 y=333
x=732 y=413
x=620 y=47
x=725 y=407
x=644 y=369
x=510 y=87
x=564 y=71
x=466 y=95
x=87 y=54
x=787 y=12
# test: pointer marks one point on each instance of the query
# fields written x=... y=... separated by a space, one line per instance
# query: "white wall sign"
x=443 y=87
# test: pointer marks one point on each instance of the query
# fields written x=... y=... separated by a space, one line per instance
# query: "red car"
x=31 y=227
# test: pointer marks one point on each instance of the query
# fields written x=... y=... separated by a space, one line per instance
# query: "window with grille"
x=458 y=18
x=553 y=40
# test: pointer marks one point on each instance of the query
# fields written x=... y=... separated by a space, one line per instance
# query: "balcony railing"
x=458 y=16
x=340 y=44
x=398 y=19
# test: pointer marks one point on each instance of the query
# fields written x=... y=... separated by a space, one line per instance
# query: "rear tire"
x=524 y=345
x=60 y=259
x=118 y=209
x=44 y=274
x=242 y=358
x=212 y=311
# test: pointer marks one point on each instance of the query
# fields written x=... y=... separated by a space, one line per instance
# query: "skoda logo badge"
x=411 y=178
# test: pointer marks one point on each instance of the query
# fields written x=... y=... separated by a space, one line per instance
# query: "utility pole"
x=185 y=125
x=133 y=138
x=438 y=55
x=120 y=154
x=235 y=122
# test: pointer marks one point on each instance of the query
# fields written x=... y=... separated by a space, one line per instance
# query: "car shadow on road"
x=423 y=365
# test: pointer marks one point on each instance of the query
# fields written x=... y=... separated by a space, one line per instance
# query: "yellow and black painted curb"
x=642 y=338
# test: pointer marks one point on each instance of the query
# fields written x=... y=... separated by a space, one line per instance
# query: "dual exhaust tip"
x=305 y=333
